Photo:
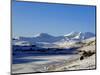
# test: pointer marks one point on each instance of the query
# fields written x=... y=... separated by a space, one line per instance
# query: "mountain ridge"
x=46 y=38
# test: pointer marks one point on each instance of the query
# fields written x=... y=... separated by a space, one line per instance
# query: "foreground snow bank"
x=88 y=63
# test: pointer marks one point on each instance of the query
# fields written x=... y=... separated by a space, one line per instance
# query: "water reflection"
x=21 y=61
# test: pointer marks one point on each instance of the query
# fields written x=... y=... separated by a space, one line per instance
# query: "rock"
x=82 y=57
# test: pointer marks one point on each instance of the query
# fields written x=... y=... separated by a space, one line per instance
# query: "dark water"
x=21 y=61
x=17 y=55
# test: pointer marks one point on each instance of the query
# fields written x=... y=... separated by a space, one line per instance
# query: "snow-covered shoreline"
x=55 y=63
x=43 y=66
x=82 y=58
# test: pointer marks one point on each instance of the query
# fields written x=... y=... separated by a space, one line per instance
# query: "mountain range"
x=44 y=38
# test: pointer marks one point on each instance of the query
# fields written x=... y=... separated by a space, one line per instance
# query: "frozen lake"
x=40 y=59
x=39 y=63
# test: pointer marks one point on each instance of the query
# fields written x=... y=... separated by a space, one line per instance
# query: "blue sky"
x=56 y=19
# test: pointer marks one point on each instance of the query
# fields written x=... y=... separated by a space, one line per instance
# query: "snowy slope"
x=49 y=40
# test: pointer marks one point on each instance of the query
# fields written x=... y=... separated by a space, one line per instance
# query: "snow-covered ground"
x=83 y=58
x=41 y=63
x=87 y=63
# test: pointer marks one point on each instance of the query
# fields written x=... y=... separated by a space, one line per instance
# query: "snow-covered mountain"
x=44 y=38
x=79 y=35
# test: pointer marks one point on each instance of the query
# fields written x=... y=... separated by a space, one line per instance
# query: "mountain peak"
x=79 y=35
x=42 y=35
x=72 y=33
